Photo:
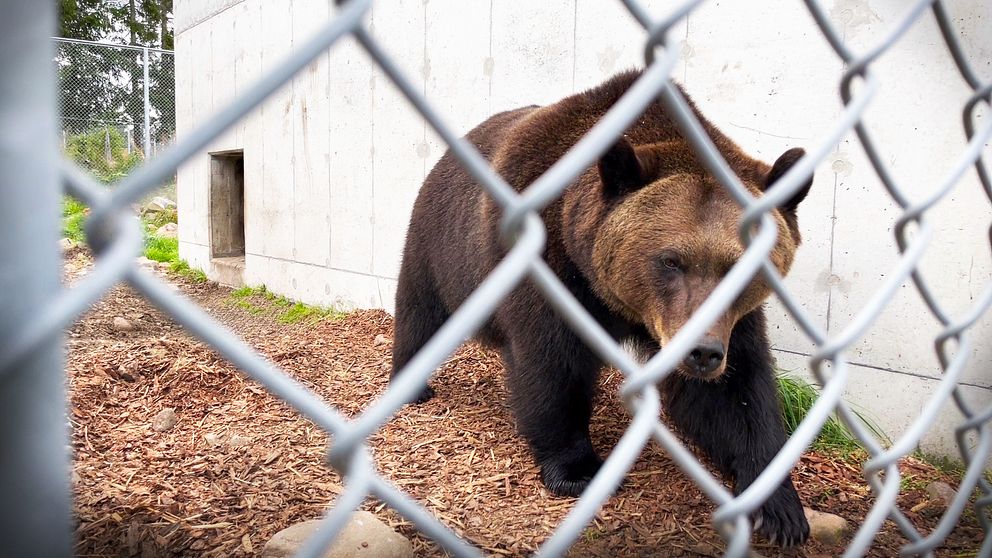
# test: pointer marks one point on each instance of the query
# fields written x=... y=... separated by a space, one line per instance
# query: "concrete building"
x=311 y=193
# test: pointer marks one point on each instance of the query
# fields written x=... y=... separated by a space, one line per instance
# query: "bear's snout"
x=706 y=358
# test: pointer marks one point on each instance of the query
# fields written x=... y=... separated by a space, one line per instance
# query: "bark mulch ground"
x=240 y=465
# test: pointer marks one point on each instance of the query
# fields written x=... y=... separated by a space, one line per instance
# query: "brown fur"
x=641 y=239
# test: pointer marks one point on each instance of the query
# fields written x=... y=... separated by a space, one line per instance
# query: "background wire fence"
x=115 y=237
x=102 y=89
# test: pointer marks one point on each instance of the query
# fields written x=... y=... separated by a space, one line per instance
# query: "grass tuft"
x=73 y=217
x=181 y=268
x=243 y=292
x=798 y=396
x=154 y=220
x=287 y=311
x=161 y=249
x=300 y=312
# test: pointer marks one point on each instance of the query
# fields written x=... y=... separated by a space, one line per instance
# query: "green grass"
x=245 y=292
x=943 y=463
x=798 y=396
x=912 y=482
x=73 y=216
x=300 y=312
x=90 y=150
x=161 y=249
x=592 y=534
x=156 y=219
x=181 y=268
x=286 y=310
x=249 y=307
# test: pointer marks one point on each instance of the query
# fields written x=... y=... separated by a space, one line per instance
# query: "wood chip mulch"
x=240 y=465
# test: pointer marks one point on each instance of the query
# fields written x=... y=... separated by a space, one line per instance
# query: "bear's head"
x=670 y=235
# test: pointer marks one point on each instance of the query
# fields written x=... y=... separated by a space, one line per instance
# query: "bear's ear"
x=621 y=170
x=785 y=162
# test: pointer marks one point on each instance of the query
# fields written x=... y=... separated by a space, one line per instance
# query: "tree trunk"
x=132 y=21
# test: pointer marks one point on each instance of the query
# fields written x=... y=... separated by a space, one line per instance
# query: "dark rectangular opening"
x=227 y=204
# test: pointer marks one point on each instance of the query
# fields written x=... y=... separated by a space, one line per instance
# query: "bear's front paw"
x=781 y=519
x=569 y=477
x=424 y=396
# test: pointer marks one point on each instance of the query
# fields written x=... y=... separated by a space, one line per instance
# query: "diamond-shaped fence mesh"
x=28 y=336
x=124 y=94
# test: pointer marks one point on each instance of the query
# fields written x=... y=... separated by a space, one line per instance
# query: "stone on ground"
x=940 y=494
x=164 y=420
x=158 y=204
x=120 y=324
x=168 y=230
x=826 y=528
x=365 y=536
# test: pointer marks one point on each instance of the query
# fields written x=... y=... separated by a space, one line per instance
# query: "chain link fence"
x=123 y=95
x=32 y=396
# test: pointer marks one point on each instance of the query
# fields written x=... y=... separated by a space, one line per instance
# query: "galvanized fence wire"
x=126 y=92
x=115 y=237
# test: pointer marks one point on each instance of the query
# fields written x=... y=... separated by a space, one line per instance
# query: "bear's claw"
x=570 y=478
x=781 y=519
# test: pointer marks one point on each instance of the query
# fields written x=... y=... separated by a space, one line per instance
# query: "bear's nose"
x=706 y=357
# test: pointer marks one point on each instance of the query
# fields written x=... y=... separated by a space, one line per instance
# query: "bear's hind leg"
x=551 y=391
x=736 y=421
x=419 y=314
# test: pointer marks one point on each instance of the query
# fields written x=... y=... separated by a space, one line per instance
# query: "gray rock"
x=67 y=244
x=168 y=230
x=120 y=324
x=826 y=528
x=158 y=204
x=165 y=420
x=145 y=262
x=940 y=494
x=365 y=536
x=380 y=340
x=238 y=441
x=212 y=439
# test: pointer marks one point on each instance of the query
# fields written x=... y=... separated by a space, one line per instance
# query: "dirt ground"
x=239 y=465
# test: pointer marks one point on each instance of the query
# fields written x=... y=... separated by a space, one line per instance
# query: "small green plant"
x=248 y=306
x=73 y=216
x=798 y=396
x=244 y=292
x=286 y=310
x=912 y=482
x=161 y=249
x=166 y=249
x=156 y=219
x=103 y=151
x=299 y=312
x=181 y=268
x=943 y=463
x=592 y=534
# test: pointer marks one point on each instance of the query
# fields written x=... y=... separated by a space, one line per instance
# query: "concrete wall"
x=334 y=160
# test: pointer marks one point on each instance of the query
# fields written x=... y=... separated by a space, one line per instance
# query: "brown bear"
x=641 y=239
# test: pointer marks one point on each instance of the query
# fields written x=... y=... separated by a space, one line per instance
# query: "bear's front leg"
x=552 y=381
x=736 y=420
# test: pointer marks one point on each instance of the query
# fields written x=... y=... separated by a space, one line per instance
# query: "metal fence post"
x=35 y=506
x=146 y=135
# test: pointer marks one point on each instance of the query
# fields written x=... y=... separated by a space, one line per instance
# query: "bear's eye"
x=670 y=263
